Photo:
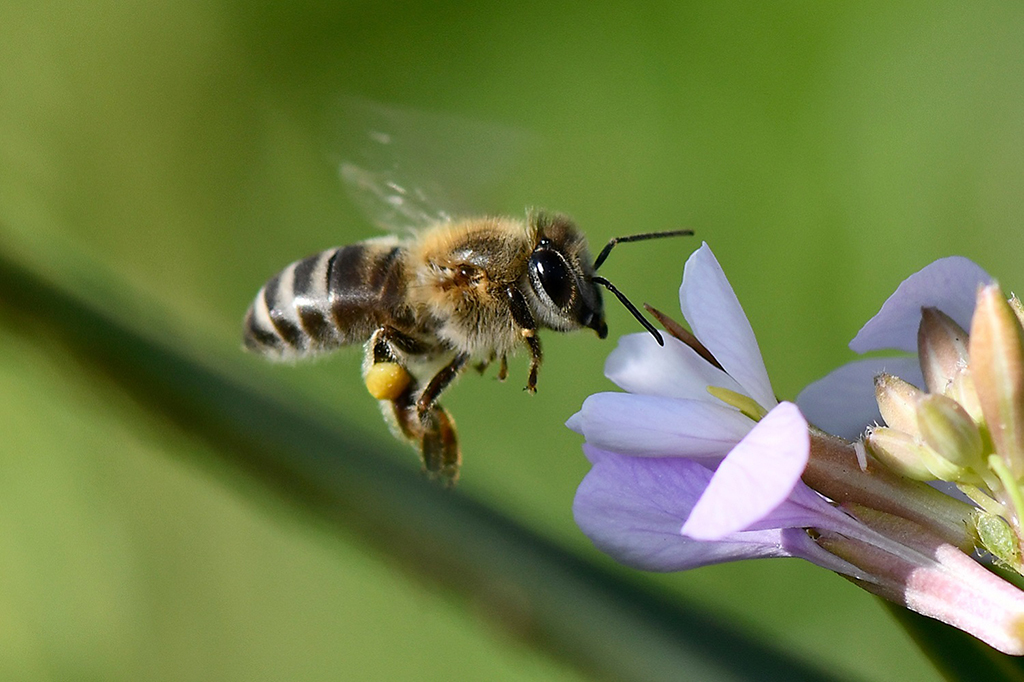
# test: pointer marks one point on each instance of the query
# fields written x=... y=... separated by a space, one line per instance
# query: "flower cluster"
x=697 y=462
x=966 y=426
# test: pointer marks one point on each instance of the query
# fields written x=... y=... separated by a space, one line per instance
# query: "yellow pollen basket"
x=744 y=404
x=387 y=380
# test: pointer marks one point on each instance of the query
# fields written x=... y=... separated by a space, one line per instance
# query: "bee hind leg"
x=433 y=433
x=414 y=414
x=440 y=446
x=385 y=375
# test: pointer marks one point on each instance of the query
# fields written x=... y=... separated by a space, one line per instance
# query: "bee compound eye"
x=550 y=271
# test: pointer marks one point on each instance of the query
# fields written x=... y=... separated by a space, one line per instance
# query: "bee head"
x=559 y=271
x=565 y=282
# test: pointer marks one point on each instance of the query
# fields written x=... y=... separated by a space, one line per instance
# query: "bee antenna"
x=629 y=306
x=601 y=257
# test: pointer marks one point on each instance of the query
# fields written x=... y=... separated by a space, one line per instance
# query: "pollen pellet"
x=387 y=380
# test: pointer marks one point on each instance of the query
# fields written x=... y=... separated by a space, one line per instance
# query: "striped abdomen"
x=331 y=299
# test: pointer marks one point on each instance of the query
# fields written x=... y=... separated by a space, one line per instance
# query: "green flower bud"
x=997 y=366
x=909 y=457
x=897 y=402
x=948 y=430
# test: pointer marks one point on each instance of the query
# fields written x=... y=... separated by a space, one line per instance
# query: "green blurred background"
x=175 y=152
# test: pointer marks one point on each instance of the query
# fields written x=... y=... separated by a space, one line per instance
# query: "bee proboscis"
x=457 y=294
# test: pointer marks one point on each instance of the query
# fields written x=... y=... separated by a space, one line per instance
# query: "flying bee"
x=426 y=308
x=449 y=294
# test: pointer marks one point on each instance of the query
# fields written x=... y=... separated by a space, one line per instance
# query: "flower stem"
x=996 y=464
x=833 y=471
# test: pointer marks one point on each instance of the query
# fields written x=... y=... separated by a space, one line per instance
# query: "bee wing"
x=406 y=169
x=390 y=202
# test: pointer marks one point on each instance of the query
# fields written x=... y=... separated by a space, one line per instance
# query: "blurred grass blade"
x=573 y=609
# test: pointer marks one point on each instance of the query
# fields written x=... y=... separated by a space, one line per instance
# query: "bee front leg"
x=528 y=329
x=530 y=336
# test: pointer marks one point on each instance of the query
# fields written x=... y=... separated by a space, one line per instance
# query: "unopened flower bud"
x=1018 y=308
x=897 y=402
x=997 y=365
x=942 y=348
x=948 y=430
x=935 y=579
x=962 y=391
x=909 y=457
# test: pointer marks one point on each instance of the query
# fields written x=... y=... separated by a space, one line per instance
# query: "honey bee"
x=458 y=293
x=448 y=295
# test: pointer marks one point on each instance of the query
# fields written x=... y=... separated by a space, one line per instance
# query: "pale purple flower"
x=843 y=402
x=695 y=465
x=681 y=478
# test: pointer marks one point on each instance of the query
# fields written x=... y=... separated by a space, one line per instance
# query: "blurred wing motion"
x=407 y=169
x=386 y=202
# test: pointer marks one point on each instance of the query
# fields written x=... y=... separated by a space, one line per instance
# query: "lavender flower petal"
x=949 y=284
x=717 y=318
x=640 y=365
x=757 y=476
x=660 y=427
x=632 y=509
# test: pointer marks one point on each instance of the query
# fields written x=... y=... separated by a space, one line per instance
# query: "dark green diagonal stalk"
x=957 y=655
x=570 y=607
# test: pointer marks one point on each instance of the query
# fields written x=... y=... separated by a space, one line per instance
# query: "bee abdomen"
x=291 y=314
x=334 y=298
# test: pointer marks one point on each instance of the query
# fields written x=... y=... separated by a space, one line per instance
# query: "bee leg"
x=387 y=343
x=530 y=335
x=385 y=375
x=433 y=433
x=440 y=445
x=441 y=381
x=528 y=328
x=430 y=430
x=503 y=368
x=482 y=366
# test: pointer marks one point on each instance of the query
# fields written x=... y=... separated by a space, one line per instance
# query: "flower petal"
x=717 y=319
x=949 y=284
x=632 y=509
x=843 y=402
x=659 y=427
x=755 y=478
x=639 y=365
x=804 y=507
